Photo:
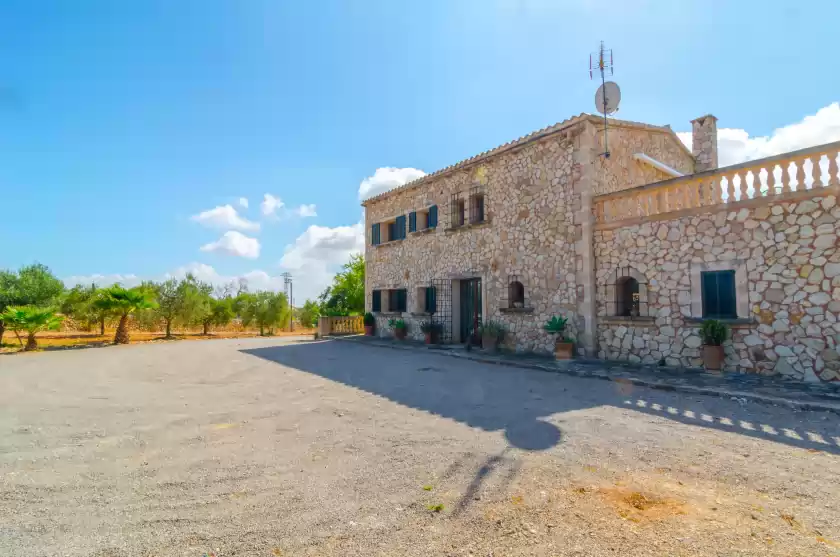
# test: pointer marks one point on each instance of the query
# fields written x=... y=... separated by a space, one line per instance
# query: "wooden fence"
x=815 y=168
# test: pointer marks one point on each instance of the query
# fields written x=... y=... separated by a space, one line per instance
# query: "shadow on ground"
x=518 y=402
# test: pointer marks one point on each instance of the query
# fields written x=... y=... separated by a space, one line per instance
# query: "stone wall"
x=787 y=262
x=530 y=205
x=621 y=171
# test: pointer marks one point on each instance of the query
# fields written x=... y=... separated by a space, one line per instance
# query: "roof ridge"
x=568 y=122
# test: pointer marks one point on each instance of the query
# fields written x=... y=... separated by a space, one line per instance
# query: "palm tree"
x=124 y=302
x=31 y=319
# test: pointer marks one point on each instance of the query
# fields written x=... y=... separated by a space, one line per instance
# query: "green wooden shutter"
x=374 y=235
x=377 y=301
x=433 y=216
x=400 y=232
x=412 y=221
x=431 y=299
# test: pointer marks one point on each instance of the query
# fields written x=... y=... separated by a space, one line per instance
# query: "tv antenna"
x=608 y=95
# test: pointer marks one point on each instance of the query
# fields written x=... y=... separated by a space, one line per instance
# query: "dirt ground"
x=249 y=447
x=56 y=340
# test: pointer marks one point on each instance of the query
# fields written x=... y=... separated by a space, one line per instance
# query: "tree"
x=308 y=314
x=266 y=310
x=37 y=286
x=171 y=299
x=8 y=281
x=77 y=303
x=123 y=302
x=32 y=320
x=220 y=313
x=346 y=294
x=32 y=285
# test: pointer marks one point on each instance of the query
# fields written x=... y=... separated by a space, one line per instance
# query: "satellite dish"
x=607 y=98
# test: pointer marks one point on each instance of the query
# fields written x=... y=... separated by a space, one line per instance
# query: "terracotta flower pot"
x=713 y=357
x=564 y=350
x=399 y=334
x=430 y=338
x=369 y=330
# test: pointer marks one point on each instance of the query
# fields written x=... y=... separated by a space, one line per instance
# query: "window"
x=718 y=294
x=397 y=300
x=457 y=211
x=393 y=230
x=376 y=304
x=476 y=206
x=516 y=293
x=626 y=293
x=375 y=238
x=627 y=300
x=423 y=219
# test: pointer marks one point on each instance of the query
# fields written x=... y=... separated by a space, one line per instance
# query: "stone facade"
x=533 y=230
x=529 y=207
x=542 y=194
x=787 y=264
x=621 y=171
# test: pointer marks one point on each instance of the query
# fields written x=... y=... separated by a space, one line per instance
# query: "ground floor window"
x=627 y=290
x=397 y=300
x=719 y=294
x=376 y=304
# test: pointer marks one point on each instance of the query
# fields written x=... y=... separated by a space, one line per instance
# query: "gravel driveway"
x=273 y=447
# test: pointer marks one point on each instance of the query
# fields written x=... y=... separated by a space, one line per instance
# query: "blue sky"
x=121 y=122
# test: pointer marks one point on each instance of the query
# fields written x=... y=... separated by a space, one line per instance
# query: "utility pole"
x=288 y=289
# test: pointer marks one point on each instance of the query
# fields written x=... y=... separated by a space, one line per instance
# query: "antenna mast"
x=607 y=97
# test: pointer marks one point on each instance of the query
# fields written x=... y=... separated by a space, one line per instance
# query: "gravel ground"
x=271 y=447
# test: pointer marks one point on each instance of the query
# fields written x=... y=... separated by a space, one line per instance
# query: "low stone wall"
x=787 y=262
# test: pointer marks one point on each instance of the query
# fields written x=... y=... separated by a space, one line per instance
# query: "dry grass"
x=56 y=340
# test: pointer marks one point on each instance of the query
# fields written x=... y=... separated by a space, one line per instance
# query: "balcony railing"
x=808 y=169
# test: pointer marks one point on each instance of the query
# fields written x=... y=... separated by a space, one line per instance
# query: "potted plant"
x=564 y=347
x=432 y=331
x=399 y=327
x=370 y=324
x=491 y=333
x=713 y=333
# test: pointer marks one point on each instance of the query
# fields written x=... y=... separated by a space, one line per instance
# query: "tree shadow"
x=520 y=402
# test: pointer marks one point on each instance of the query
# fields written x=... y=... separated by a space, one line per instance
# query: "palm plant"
x=123 y=302
x=32 y=320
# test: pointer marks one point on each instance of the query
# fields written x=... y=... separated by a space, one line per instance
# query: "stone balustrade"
x=340 y=325
x=772 y=178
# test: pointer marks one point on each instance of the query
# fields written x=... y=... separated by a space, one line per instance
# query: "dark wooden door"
x=470 y=309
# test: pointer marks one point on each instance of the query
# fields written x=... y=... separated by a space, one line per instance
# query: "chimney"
x=704 y=143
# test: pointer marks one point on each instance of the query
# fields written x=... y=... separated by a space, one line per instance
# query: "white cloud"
x=256 y=279
x=318 y=253
x=271 y=204
x=224 y=216
x=387 y=178
x=235 y=243
x=103 y=280
x=305 y=211
x=243 y=202
x=736 y=146
x=274 y=208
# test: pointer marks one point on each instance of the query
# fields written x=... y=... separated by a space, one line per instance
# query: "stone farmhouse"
x=636 y=249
